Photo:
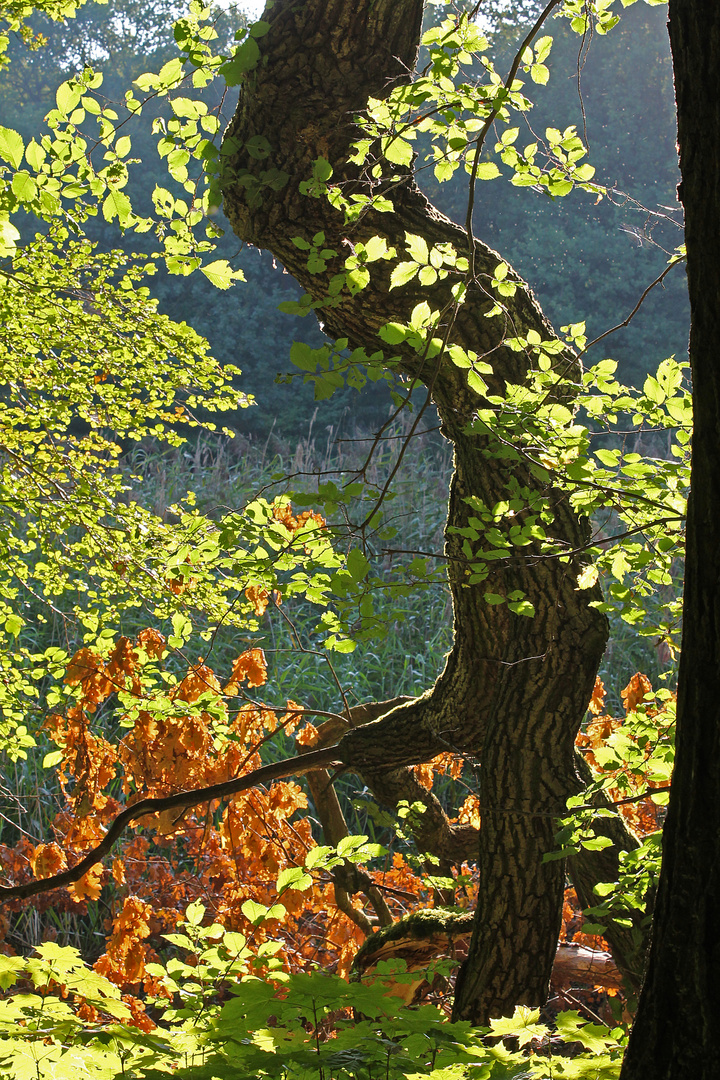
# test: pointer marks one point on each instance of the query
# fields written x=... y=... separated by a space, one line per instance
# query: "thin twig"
x=486 y=127
x=635 y=310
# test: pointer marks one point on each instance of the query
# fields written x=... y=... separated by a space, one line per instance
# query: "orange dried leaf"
x=290 y=720
x=134 y=919
x=49 y=859
x=469 y=813
x=635 y=691
x=123 y=659
x=87 y=670
x=251 y=666
x=82 y=664
x=140 y=1019
x=118 y=872
x=89 y=886
x=308 y=735
x=152 y=642
x=198 y=681
x=282 y=512
x=258 y=597
x=598 y=698
x=308 y=517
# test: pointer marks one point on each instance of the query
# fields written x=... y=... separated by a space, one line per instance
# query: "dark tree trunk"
x=514 y=689
x=675 y=1036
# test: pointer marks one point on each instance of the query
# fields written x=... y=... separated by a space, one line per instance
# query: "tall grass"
x=225 y=474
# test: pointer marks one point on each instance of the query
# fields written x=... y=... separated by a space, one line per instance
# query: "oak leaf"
x=598 y=697
x=89 y=886
x=49 y=859
x=152 y=642
x=258 y=597
x=635 y=692
x=250 y=666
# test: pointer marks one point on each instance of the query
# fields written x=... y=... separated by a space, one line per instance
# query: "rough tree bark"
x=514 y=689
x=675 y=1036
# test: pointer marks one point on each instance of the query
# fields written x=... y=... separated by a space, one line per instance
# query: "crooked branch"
x=295 y=766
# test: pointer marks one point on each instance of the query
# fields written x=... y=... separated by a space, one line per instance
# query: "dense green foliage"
x=103 y=377
x=625 y=88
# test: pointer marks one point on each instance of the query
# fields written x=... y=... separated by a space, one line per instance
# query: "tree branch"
x=296 y=766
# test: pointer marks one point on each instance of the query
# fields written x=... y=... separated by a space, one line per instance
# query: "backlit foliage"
x=175 y=734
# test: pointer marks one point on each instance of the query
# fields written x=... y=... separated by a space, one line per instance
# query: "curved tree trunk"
x=514 y=689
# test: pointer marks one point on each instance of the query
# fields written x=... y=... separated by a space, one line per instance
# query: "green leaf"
x=420 y=316
x=52 y=759
x=487 y=170
x=293 y=877
x=67 y=97
x=254 y=913
x=477 y=383
x=24 y=186
x=653 y=390
x=322 y=170
x=34 y=155
x=117 y=205
x=358 y=279
x=357 y=565
x=349 y=844
x=402 y=274
x=320 y=857
x=444 y=170
x=123 y=146
x=195 y=913
x=169 y=73
x=14 y=624
x=543 y=46
x=9 y=237
x=523 y=607
x=220 y=274
x=523 y=1026
x=398 y=151
x=244 y=59
x=12 y=147
x=392 y=333
x=417 y=248
x=597 y=843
